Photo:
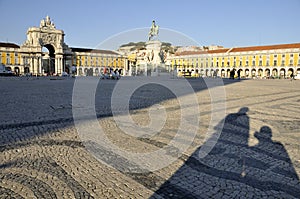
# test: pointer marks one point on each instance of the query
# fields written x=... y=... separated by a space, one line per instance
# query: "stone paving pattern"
x=42 y=155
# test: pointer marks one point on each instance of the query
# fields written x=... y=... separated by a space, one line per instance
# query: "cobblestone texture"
x=42 y=155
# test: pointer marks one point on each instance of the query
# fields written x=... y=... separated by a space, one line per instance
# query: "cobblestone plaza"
x=256 y=156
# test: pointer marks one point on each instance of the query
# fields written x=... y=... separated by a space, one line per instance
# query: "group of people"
x=111 y=73
x=232 y=74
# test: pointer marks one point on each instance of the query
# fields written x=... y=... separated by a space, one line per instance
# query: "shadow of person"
x=232 y=169
x=229 y=142
x=270 y=162
x=215 y=164
x=283 y=164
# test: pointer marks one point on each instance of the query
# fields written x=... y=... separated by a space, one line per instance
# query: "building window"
x=260 y=63
x=268 y=63
x=234 y=63
x=275 y=55
x=240 y=63
x=7 y=58
x=282 y=63
x=283 y=56
x=247 y=63
x=0 y=58
x=253 y=63
x=275 y=62
x=291 y=55
x=291 y=62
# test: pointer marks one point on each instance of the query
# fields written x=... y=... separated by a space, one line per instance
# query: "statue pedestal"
x=153 y=49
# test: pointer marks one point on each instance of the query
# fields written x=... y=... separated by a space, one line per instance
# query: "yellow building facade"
x=89 y=62
x=92 y=62
x=44 y=52
x=273 y=61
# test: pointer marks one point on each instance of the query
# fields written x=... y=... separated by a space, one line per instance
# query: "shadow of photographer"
x=233 y=168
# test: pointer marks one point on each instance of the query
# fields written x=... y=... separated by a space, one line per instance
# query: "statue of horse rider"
x=153 y=30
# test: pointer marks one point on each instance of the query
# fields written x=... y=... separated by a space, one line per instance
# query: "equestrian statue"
x=153 y=31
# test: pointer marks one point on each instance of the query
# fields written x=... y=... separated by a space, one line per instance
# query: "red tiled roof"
x=223 y=50
x=270 y=47
x=190 y=53
x=9 y=45
x=89 y=50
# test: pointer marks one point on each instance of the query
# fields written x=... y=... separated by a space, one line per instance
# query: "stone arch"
x=212 y=71
x=80 y=71
x=46 y=35
x=201 y=72
x=17 y=71
x=290 y=71
x=260 y=72
x=26 y=70
x=97 y=71
x=85 y=71
x=247 y=73
x=267 y=73
x=223 y=73
x=275 y=72
x=253 y=72
x=282 y=73
x=206 y=72
x=228 y=72
x=91 y=72
x=48 y=59
x=240 y=71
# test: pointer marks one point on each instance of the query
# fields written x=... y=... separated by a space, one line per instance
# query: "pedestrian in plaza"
x=231 y=76
x=239 y=74
x=292 y=76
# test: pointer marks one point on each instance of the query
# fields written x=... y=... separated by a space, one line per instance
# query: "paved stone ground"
x=256 y=156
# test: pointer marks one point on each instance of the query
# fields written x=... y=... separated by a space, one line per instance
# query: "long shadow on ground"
x=232 y=169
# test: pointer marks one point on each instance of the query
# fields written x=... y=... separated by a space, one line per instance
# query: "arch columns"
x=58 y=64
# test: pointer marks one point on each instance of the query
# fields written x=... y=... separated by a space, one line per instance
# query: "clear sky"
x=221 y=22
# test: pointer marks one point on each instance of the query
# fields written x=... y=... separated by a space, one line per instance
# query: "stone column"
x=31 y=68
x=39 y=64
x=58 y=64
x=55 y=65
x=36 y=67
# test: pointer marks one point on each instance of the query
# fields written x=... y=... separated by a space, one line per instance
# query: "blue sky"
x=222 y=22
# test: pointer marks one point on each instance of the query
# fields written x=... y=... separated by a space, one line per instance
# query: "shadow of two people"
x=232 y=168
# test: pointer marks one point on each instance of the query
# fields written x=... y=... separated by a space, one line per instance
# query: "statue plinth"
x=153 y=49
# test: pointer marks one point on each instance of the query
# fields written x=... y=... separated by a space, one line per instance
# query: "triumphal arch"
x=44 y=51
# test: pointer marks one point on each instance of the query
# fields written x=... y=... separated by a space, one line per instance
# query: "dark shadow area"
x=232 y=169
x=34 y=107
x=27 y=104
